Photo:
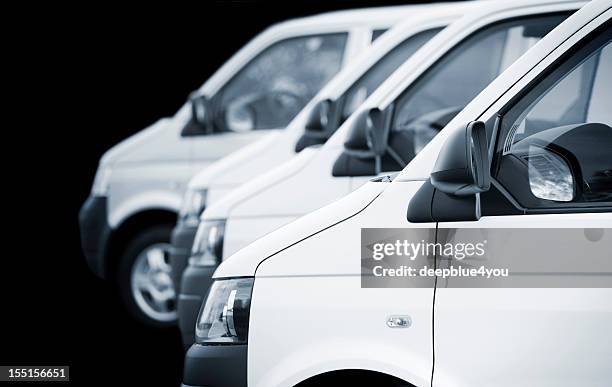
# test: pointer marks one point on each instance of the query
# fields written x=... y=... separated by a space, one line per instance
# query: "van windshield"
x=359 y=91
x=451 y=83
x=381 y=70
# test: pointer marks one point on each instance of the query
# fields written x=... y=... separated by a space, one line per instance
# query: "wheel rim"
x=151 y=283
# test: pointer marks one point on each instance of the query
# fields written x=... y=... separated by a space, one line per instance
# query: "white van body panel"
x=324 y=154
x=293 y=199
x=570 y=316
x=134 y=148
x=335 y=340
x=256 y=215
x=249 y=161
x=164 y=186
x=324 y=270
x=245 y=262
x=252 y=188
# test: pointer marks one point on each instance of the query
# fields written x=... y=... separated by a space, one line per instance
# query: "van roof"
x=365 y=16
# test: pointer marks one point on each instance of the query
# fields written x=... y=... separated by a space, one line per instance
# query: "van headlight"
x=207 y=247
x=224 y=318
x=192 y=206
x=101 y=181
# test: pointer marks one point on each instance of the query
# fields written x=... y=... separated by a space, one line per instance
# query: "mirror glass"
x=324 y=114
x=550 y=177
x=199 y=110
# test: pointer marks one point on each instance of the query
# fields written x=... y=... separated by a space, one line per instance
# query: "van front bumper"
x=194 y=287
x=216 y=366
x=182 y=238
x=95 y=233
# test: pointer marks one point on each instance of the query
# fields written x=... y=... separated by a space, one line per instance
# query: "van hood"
x=253 y=159
x=245 y=261
x=234 y=168
x=150 y=144
x=222 y=208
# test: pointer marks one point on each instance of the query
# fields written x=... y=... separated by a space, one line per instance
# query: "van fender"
x=150 y=200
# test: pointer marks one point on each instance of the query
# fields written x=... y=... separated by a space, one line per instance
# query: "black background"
x=87 y=78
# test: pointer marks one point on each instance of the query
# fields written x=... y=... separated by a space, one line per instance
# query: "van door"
x=268 y=92
x=547 y=218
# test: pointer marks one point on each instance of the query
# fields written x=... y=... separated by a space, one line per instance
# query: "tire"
x=144 y=278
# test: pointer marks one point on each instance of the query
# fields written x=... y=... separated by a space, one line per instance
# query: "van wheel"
x=144 y=278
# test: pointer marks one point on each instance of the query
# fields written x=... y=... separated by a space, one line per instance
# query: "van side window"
x=451 y=83
x=555 y=143
x=381 y=70
x=273 y=87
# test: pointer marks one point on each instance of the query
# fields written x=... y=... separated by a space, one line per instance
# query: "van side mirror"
x=462 y=167
x=366 y=144
x=460 y=174
x=377 y=135
x=201 y=117
x=317 y=129
x=356 y=141
x=318 y=119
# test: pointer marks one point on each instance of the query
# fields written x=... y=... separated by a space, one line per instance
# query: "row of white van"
x=477 y=154
x=140 y=183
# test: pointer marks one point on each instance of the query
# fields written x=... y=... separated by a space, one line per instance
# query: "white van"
x=527 y=165
x=314 y=125
x=434 y=85
x=127 y=220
